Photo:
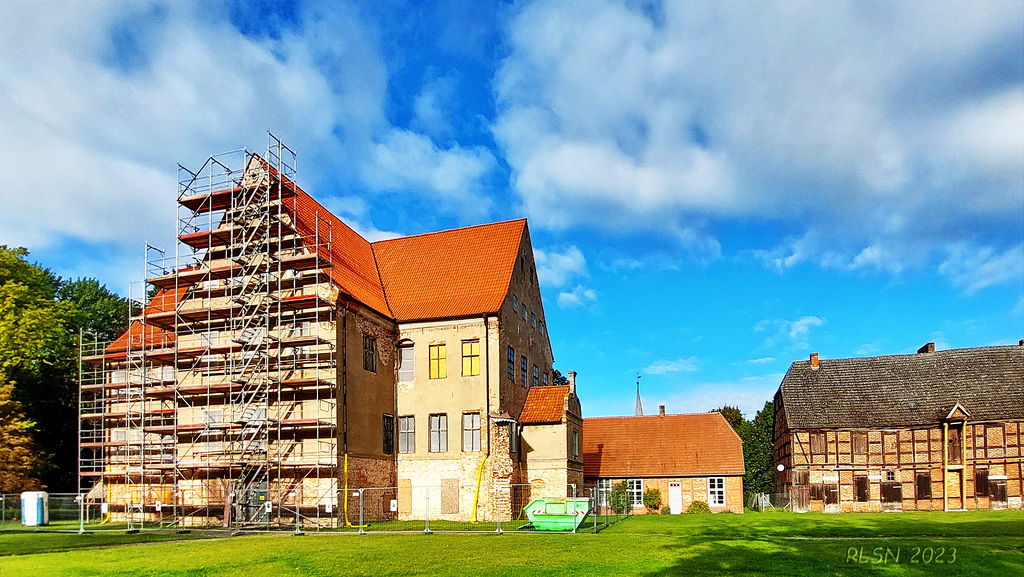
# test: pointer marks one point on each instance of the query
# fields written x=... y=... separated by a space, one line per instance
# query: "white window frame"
x=604 y=489
x=407 y=434
x=716 y=491
x=575 y=444
x=438 y=427
x=471 y=431
x=635 y=490
x=407 y=374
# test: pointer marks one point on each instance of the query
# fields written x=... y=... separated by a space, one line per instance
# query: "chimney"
x=927 y=348
x=661 y=410
x=1021 y=342
x=572 y=382
x=814 y=361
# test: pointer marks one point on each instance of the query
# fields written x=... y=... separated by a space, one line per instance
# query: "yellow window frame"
x=471 y=358
x=438 y=361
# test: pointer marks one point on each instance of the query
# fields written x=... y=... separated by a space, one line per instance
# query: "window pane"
x=406 y=364
x=470 y=358
x=438 y=362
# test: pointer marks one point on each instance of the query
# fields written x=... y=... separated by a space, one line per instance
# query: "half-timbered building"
x=936 y=430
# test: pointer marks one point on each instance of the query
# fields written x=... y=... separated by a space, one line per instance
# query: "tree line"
x=758 y=436
x=41 y=315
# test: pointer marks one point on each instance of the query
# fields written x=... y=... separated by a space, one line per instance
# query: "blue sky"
x=714 y=190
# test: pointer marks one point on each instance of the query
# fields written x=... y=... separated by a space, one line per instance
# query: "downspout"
x=963 y=465
x=487 y=412
x=343 y=407
x=945 y=465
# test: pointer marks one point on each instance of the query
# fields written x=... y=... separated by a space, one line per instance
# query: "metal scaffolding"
x=228 y=406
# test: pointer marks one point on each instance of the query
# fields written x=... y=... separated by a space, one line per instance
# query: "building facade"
x=687 y=458
x=936 y=430
x=282 y=360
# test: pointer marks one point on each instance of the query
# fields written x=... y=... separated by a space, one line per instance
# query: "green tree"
x=28 y=327
x=558 y=379
x=40 y=316
x=759 y=451
x=733 y=415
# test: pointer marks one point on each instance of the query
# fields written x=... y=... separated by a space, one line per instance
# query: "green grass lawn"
x=934 y=543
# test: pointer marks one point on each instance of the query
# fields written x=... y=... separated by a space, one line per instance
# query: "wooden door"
x=830 y=494
x=801 y=490
x=892 y=496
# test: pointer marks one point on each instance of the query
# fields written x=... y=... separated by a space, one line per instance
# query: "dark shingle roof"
x=905 y=390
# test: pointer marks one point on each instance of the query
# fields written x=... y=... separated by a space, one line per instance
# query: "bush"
x=698 y=507
x=619 y=498
x=652 y=500
x=666 y=510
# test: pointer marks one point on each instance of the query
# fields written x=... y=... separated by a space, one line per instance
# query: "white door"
x=675 y=498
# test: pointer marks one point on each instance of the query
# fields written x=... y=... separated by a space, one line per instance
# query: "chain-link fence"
x=435 y=508
x=769 y=501
x=64 y=511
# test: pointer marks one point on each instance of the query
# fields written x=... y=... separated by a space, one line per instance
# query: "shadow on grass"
x=923 y=555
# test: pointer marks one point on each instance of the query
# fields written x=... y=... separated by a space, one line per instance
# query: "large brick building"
x=285 y=360
x=696 y=457
x=933 y=430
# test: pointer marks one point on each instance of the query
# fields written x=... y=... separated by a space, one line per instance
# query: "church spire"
x=639 y=405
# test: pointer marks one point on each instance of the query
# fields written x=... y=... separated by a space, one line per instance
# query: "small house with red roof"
x=688 y=458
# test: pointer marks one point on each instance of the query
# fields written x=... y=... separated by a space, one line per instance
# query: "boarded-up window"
x=818 y=443
x=981 y=483
x=449 y=496
x=860 y=489
x=923 y=481
x=860 y=443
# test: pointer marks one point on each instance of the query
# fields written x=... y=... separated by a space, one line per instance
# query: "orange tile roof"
x=653 y=446
x=452 y=273
x=351 y=257
x=544 y=405
x=149 y=336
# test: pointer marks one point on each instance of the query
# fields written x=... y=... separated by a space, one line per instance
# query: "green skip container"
x=548 y=514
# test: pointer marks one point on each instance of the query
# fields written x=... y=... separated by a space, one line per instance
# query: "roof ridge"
x=459 y=228
x=651 y=416
x=912 y=355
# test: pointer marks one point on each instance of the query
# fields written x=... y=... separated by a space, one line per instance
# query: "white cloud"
x=577 y=297
x=858 y=125
x=761 y=360
x=748 y=394
x=554 y=269
x=432 y=108
x=782 y=332
x=405 y=160
x=102 y=99
x=974 y=268
x=662 y=367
